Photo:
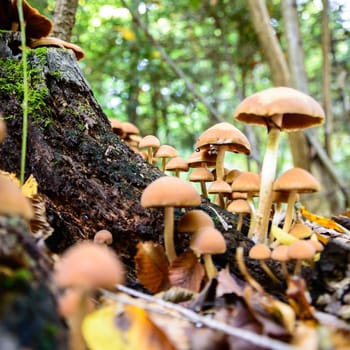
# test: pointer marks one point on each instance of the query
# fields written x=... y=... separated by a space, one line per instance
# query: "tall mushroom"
x=220 y=138
x=164 y=152
x=278 y=108
x=169 y=192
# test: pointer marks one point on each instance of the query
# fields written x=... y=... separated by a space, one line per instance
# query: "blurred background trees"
x=176 y=68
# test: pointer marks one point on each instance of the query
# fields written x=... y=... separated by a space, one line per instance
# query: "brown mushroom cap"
x=296 y=179
x=224 y=134
x=193 y=220
x=219 y=186
x=280 y=253
x=166 y=151
x=201 y=174
x=301 y=250
x=170 y=191
x=208 y=240
x=13 y=201
x=104 y=237
x=246 y=182
x=239 y=206
x=149 y=141
x=88 y=265
x=300 y=231
x=177 y=163
x=260 y=251
x=116 y=126
x=197 y=158
x=299 y=110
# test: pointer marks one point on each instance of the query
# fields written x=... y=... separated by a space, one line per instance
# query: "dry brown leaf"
x=277 y=321
x=228 y=284
x=39 y=225
x=186 y=272
x=152 y=266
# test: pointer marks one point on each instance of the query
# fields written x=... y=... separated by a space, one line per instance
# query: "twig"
x=224 y=224
x=197 y=319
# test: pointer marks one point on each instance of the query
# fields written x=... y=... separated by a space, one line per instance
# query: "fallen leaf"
x=152 y=266
x=100 y=332
x=186 y=272
x=228 y=284
x=140 y=332
x=320 y=220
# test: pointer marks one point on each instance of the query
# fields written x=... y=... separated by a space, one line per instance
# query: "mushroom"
x=169 y=192
x=152 y=143
x=219 y=139
x=85 y=267
x=116 y=126
x=294 y=181
x=301 y=231
x=164 y=152
x=202 y=175
x=177 y=164
x=280 y=253
x=300 y=250
x=262 y=252
x=103 y=237
x=193 y=220
x=240 y=207
x=13 y=201
x=278 y=108
x=248 y=182
x=221 y=188
x=205 y=242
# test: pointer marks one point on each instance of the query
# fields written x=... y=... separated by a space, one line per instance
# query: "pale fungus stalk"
x=268 y=174
x=169 y=234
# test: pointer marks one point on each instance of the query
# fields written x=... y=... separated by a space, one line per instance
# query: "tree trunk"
x=64 y=18
x=326 y=75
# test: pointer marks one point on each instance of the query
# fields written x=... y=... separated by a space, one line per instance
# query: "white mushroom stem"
x=289 y=211
x=252 y=214
x=209 y=266
x=169 y=234
x=268 y=174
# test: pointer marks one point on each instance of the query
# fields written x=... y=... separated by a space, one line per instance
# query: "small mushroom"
x=2 y=129
x=152 y=143
x=280 y=253
x=193 y=220
x=262 y=252
x=294 y=181
x=103 y=237
x=219 y=139
x=240 y=207
x=168 y=192
x=205 y=242
x=177 y=164
x=164 y=152
x=300 y=250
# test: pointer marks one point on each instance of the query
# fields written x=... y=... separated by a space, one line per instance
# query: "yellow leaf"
x=10 y=176
x=281 y=236
x=100 y=332
x=30 y=187
x=320 y=220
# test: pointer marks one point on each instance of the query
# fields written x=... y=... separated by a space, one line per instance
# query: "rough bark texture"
x=64 y=18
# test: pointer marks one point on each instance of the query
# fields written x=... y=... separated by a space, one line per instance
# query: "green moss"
x=11 y=84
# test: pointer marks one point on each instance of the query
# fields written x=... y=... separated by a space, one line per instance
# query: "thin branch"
x=256 y=339
x=177 y=70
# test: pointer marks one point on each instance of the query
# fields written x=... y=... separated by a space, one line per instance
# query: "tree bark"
x=326 y=76
x=64 y=18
